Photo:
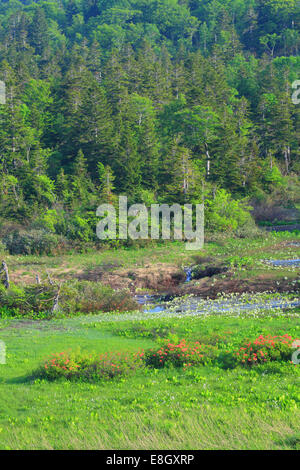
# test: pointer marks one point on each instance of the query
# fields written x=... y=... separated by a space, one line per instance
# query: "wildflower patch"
x=265 y=349
x=92 y=367
x=76 y=365
x=182 y=354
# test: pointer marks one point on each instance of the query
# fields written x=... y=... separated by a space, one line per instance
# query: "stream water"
x=285 y=262
x=188 y=272
x=199 y=306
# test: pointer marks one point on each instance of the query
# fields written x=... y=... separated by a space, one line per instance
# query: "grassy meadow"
x=200 y=408
x=207 y=406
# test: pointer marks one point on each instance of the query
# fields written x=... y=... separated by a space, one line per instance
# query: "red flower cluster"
x=61 y=361
x=77 y=365
x=265 y=349
x=179 y=355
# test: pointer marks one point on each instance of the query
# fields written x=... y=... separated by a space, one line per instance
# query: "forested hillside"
x=162 y=100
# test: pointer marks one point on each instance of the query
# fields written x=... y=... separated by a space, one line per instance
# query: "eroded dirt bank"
x=212 y=288
x=155 y=278
x=246 y=266
x=170 y=280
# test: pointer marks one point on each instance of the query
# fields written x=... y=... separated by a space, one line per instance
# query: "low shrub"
x=180 y=355
x=26 y=300
x=31 y=242
x=139 y=331
x=265 y=349
x=224 y=214
x=268 y=353
x=90 y=367
x=88 y=297
x=249 y=230
x=74 y=297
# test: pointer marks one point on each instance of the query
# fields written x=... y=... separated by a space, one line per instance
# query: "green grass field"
x=200 y=408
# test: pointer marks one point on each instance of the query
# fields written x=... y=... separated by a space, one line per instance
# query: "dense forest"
x=161 y=100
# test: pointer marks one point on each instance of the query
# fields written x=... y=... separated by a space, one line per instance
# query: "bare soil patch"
x=158 y=277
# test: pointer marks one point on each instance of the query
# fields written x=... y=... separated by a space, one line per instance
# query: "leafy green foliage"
x=74 y=297
x=89 y=297
x=265 y=349
x=30 y=242
x=90 y=367
x=180 y=355
x=177 y=100
x=31 y=300
x=226 y=214
x=72 y=365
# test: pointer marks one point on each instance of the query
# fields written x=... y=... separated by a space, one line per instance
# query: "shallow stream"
x=199 y=306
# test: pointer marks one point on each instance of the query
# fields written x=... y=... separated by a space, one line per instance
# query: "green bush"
x=74 y=297
x=74 y=227
x=265 y=349
x=31 y=242
x=227 y=360
x=224 y=214
x=249 y=230
x=180 y=355
x=27 y=300
x=90 y=367
x=88 y=297
x=48 y=221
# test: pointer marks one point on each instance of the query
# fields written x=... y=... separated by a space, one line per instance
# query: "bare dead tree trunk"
x=50 y=280
x=208 y=161
x=6 y=275
x=56 y=300
x=286 y=158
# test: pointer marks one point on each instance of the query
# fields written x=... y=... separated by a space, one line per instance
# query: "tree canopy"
x=157 y=99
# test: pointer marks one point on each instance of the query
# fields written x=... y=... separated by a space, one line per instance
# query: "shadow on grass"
x=22 y=379
x=292 y=442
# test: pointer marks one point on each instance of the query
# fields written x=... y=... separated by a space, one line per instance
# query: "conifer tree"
x=38 y=33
